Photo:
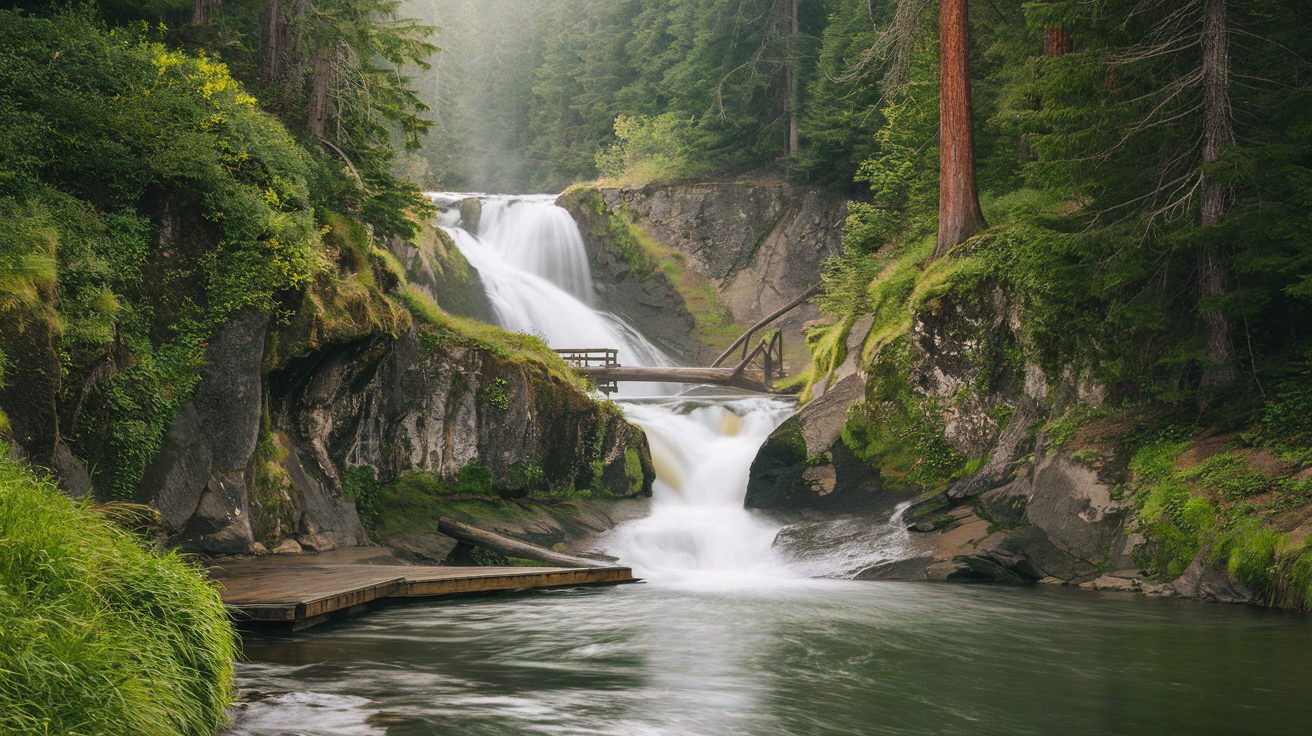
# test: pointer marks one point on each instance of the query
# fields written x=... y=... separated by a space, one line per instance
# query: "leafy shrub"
x=651 y=150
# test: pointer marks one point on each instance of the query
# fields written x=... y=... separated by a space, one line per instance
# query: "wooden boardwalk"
x=303 y=592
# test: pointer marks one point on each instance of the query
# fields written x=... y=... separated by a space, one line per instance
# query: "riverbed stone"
x=1200 y=580
x=1076 y=509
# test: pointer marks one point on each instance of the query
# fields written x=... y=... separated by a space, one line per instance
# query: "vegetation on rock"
x=97 y=633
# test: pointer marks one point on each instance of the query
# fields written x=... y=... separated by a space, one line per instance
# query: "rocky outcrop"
x=415 y=405
x=804 y=464
x=436 y=266
x=257 y=461
x=198 y=480
x=761 y=245
x=931 y=372
x=643 y=297
x=1059 y=522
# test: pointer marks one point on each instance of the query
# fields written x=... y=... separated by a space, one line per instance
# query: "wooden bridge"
x=756 y=370
x=601 y=365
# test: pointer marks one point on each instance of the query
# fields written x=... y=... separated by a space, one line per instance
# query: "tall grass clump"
x=98 y=635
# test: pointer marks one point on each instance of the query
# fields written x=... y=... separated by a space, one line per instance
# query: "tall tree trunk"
x=959 y=215
x=321 y=74
x=203 y=12
x=1056 y=42
x=269 y=67
x=1217 y=197
x=289 y=42
x=794 y=140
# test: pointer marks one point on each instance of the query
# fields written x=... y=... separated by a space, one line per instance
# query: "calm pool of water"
x=796 y=657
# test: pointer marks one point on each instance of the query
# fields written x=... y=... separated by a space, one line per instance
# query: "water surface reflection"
x=799 y=657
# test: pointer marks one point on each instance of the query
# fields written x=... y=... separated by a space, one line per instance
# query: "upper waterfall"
x=534 y=266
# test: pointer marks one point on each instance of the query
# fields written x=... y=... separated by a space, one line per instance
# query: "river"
x=725 y=636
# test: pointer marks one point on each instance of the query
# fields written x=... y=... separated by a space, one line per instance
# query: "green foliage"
x=1218 y=506
x=495 y=393
x=657 y=150
x=101 y=133
x=360 y=485
x=1284 y=423
x=97 y=634
x=535 y=113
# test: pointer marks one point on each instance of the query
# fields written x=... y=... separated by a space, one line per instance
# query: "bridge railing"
x=593 y=358
x=590 y=357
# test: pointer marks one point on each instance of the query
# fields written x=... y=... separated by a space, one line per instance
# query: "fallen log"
x=511 y=547
x=777 y=314
x=718 y=376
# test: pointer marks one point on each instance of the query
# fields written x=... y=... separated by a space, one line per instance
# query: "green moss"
x=474 y=478
x=440 y=330
x=633 y=471
x=927 y=509
x=495 y=393
x=1211 y=507
x=97 y=634
x=1087 y=456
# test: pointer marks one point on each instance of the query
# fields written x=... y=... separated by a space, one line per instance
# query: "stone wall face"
x=253 y=460
x=762 y=245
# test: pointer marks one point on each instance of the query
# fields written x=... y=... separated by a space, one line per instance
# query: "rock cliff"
x=760 y=245
x=729 y=254
x=299 y=418
x=945 y=416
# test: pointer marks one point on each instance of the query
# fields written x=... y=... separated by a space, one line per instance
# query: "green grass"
x=440 y=328
x=97 y=634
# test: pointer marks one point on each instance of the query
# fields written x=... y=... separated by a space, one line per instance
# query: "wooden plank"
x=297 y=592
x=422 y=587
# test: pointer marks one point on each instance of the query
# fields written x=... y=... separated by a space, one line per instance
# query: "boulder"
x=431 y=548
x=73 y=477
x=177 y=475
x=1201 y=581
x=221 y=524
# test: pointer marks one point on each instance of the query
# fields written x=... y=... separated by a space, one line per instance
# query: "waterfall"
x=698 y=529
x=531 y=258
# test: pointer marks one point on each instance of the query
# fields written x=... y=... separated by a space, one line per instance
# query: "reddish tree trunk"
x=959 y=215
x=1218 y=134
x=794 y=140
x=1056 y=42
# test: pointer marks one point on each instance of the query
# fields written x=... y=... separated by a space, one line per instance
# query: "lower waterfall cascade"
x=531 y=258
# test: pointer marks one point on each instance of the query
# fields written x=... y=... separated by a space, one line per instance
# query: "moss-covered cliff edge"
x=1021 y=456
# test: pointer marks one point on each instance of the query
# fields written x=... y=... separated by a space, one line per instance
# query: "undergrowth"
x=1218 y=507
x=97 y=634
